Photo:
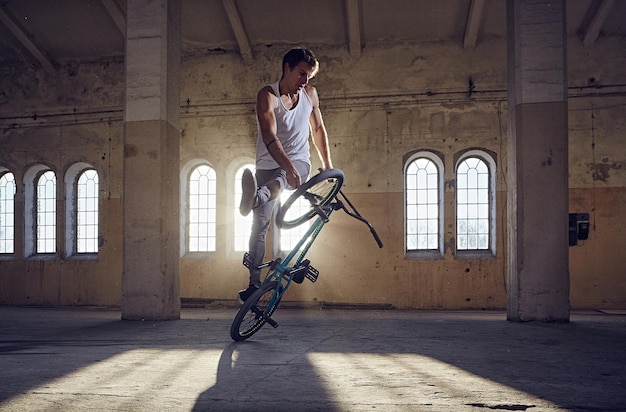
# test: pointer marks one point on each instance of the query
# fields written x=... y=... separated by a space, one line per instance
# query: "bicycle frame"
x=294 y=267
x=284 y=273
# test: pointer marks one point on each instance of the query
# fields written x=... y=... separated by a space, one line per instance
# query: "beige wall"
x=378 y=108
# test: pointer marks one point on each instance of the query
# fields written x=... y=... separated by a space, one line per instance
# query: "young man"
x=287 y=113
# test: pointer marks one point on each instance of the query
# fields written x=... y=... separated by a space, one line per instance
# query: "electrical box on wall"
x=578 y=227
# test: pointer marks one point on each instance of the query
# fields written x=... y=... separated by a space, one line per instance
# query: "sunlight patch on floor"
x=139 y=379
x=411 y=380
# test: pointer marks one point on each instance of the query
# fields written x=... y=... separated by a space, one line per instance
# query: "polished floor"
x=56 y=359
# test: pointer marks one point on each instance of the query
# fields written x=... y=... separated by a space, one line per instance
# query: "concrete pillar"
x=150 y=279
x=538 y=274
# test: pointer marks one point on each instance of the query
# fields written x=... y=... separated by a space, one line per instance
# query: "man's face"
x=297 y=77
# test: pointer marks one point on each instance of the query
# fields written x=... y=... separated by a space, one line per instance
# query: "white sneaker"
x=249 y=190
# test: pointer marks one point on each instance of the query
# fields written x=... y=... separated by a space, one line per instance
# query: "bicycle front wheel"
x=316 y=192
x=254 y=312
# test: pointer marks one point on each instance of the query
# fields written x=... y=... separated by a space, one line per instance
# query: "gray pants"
x=262 y=214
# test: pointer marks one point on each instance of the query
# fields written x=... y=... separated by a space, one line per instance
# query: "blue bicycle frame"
x=282 y=272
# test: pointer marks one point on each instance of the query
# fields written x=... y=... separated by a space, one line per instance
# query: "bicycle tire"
x=324 y=187
x=248 y=321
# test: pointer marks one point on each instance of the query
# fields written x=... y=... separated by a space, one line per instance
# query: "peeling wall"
x=378 y=108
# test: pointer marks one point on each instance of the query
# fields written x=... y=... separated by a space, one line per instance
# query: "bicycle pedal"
x=246 y=260
x=297 y=275
x=312 y=274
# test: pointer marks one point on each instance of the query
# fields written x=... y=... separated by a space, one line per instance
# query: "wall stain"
x=130 y=150
x=548 y=161
x=450 y=184
x=450 y=245
x=600 y=171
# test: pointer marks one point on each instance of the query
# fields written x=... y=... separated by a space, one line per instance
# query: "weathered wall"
x=378 y=108
x=60 y=280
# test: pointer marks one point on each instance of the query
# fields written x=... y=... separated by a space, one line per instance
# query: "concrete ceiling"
x=49 y=33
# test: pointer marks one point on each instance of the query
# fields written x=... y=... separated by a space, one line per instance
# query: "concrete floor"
x=316 y=360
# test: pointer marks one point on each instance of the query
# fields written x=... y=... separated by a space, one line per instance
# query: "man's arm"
x=265 y=104
x=320 y=137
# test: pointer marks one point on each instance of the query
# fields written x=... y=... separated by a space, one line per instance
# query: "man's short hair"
x=294 y=56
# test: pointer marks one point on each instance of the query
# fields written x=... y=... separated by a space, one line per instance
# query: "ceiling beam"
x=25 y=39
x=353 y=20
x=238 y=28
x=474 y=19
x=117 y=14
x=597 y=21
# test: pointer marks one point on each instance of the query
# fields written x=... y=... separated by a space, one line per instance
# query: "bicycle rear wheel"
x=252 y=315
x=316 y=192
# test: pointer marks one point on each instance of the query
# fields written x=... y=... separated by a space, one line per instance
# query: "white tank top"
x=292 y=129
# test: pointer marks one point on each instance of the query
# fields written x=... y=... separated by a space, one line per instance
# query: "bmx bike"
x=320 y=194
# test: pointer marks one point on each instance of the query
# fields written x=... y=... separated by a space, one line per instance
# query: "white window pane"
x=461 y=211
x=433 y=196
x=483 y=211
x=472 y=211
x=411 y=197
x=422 y=197
x=462 y=226
x=411 y=182
x=461 y=196
x=433 y=211
x=432 y=226
x=483 y=241
x=483 y=196
x=432 y=241
x=462 y=242
x=472 y=196
x=422 y=211
x=411 y=211
x=422 y=179
x=411 y=242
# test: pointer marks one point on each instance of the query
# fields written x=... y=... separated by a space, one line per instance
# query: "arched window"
x=82 y=205
x=7 y=212
x=475 y=203
x=423 y=194
x=87 y=212
x=202 y=209
x=46 y=212
x=242 y=223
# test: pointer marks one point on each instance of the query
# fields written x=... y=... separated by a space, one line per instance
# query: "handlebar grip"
x=376 y=238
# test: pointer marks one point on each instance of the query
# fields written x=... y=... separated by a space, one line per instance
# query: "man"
x=287 y=113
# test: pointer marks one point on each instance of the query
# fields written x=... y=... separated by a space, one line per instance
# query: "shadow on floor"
x=77 y=359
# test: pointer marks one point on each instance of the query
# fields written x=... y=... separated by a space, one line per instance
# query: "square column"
x=150 y=278
x=538 y=248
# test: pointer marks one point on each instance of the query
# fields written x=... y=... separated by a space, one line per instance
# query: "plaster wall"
x=378 y=108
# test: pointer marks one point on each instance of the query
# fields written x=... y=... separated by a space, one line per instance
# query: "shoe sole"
x=248 y=188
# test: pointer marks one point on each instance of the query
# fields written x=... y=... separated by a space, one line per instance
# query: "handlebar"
x=338 y=204
x=355 y=214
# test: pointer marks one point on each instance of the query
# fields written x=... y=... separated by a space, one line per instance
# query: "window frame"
x=37 y=211
x=438 y=160
x=72 y=175
x=489 y=160
x=185 y=176
x=7 y=255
